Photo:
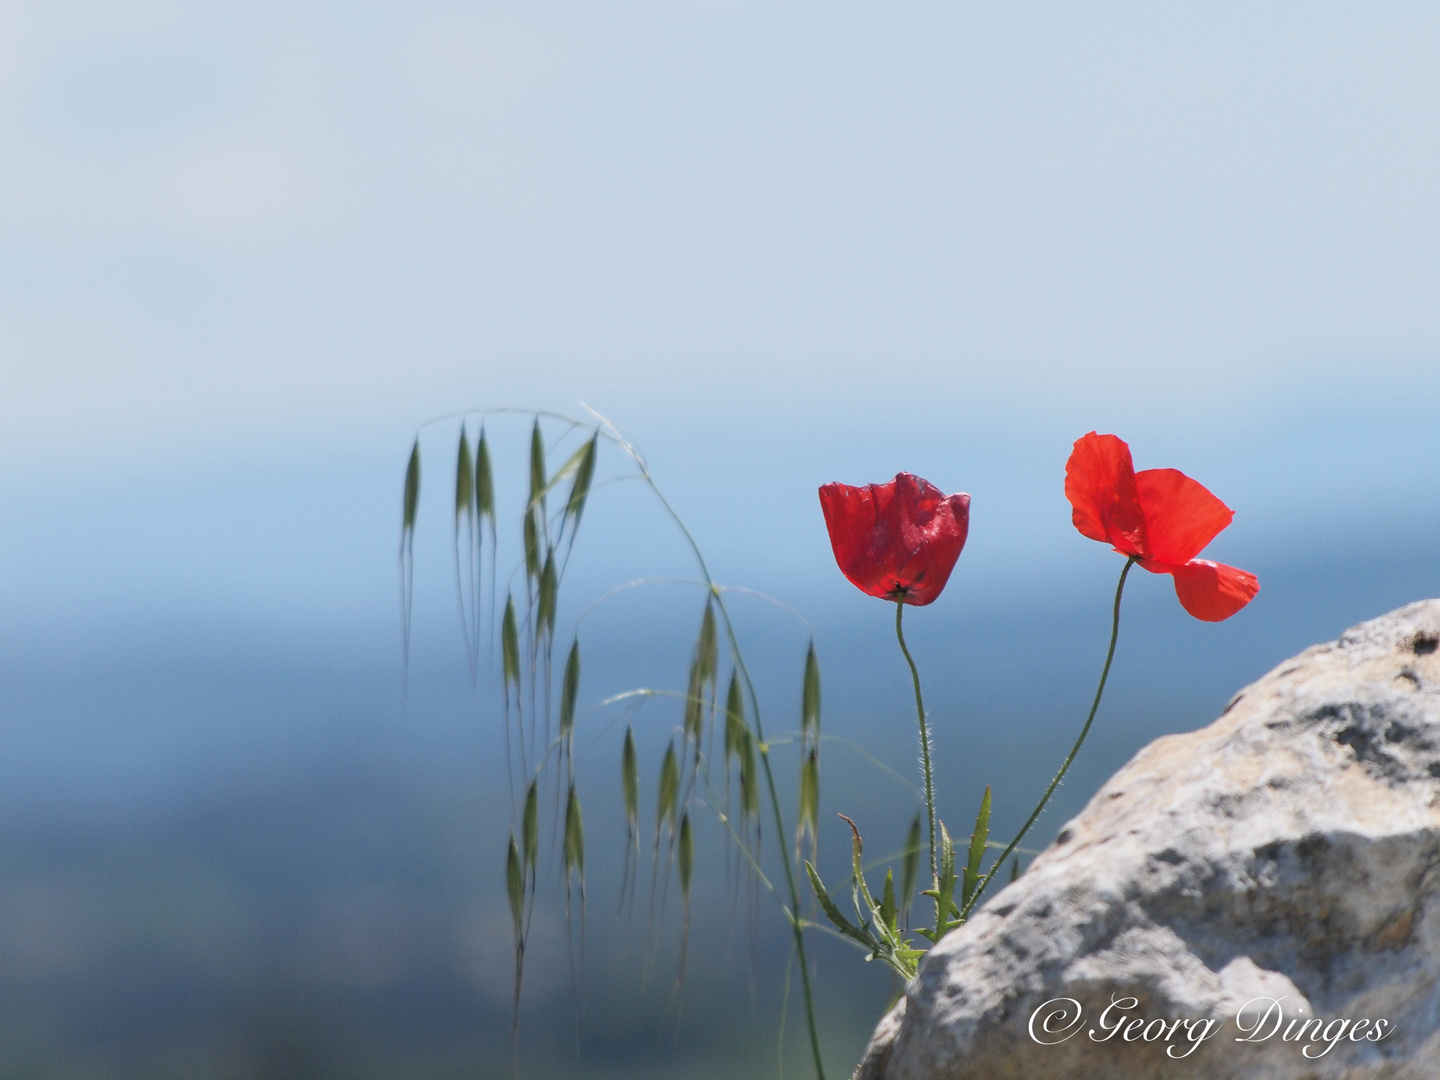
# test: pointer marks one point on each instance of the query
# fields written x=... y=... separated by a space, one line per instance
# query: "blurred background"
x=248 y=249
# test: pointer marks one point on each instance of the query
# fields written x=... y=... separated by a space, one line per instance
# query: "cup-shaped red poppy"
x=1160 y=516
x=897 y=541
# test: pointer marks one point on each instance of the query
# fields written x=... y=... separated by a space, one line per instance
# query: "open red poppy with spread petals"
x=1160 y=516
x=897 y=541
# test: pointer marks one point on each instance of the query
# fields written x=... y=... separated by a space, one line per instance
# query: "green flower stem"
x=924 y=752
x=1094 y=707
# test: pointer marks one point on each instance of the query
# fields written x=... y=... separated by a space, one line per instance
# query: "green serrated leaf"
x=734 y=717
x=865 y=906
x=810 y=696
x=669 y=788
x=857 y=849
x=832 y=910
x=412 y=488
x=888 y=914
x=947 y=854
x=685 y=855
x=515 y=886
x=569 y=690
x=574 y=835
x=530 y=825
x=944 y=891
x=464 y=481
x=630 y=779
x=910 y=866
x=510 y=645
x=484 y=480
x=978 y=840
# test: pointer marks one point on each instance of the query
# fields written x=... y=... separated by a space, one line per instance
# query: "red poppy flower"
x=1160 y=516
x=897 y=541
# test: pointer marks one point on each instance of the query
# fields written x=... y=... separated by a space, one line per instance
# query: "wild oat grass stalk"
x=541 y=753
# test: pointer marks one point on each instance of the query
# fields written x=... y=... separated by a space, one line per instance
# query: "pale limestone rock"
x=1289 y=851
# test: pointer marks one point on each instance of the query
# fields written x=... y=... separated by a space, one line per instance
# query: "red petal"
x=1100 y=484
x=1213 y=591
x=851 y=517
x=896 y=540
x=1181 y=516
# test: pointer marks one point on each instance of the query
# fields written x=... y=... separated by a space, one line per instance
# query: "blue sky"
x=306 y=219
x=250 y=250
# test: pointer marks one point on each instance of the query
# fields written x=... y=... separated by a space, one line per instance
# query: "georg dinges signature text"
x=1258 y=1020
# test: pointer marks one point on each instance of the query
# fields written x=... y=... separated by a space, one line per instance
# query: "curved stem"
x=1094 y=707
x=924 y=745
x=797 y=923
x=608 y=431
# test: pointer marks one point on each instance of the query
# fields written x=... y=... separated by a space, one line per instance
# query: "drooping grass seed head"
x=569 y=690
x=464 y=480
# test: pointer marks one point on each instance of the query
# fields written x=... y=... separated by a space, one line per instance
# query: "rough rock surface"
x=1289 y=851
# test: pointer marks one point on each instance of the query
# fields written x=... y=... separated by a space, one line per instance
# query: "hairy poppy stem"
x=924 y=749
x=1094 y=708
